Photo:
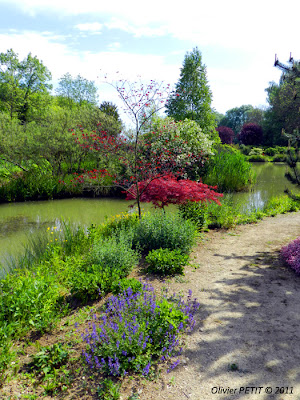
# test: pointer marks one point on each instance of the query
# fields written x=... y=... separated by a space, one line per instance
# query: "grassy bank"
x=67 y=269
x=78 y=288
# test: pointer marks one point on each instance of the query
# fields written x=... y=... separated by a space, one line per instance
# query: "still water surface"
x=18 y=221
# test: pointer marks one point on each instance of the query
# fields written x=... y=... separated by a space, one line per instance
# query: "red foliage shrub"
x=168 y=190
x=226 y=134
x=251 y=134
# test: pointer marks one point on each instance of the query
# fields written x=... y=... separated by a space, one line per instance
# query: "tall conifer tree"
x=192 y=96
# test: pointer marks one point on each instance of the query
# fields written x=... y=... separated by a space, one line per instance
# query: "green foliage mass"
x=168 y=231
x=229 y=170
x=24 y=86
x=166 y=262
x=192 y=96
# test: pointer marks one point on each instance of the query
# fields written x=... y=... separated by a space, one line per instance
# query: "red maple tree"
x=168 y=189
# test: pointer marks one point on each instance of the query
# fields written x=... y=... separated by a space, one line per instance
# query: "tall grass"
x=229 y=170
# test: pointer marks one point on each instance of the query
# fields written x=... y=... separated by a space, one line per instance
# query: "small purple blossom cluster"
x=136 y=330
x=291 y=254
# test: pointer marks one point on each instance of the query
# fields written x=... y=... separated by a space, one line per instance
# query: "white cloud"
x=136 y=30
x=258 y=28
x=114 y=46
x=232 y=23
x=94 y=27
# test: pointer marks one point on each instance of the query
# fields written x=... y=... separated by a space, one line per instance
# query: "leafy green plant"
x=257 y=158
x=280 y=158
x=50 y=358
x=108 y=390
x=162 y=230
x=166 y=262
x=114 y=252
x=194 y=211
x=29 y=301
x=113 y=225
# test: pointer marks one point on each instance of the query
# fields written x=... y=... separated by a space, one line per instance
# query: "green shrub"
x=115 y=253
x=110 y=260
x=229 y=170
x=245 y=149
x=257 y=158
x=114 y=224
x=166 y=262
x=270 y=151
x=256 y=151
x=280 y=158
x=280 y=205
x=224 y=216
x=196 y=212
x=30 y=301
x=169 y=231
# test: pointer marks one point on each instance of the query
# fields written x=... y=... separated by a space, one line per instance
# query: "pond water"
x=270 y=182
x=18 y=221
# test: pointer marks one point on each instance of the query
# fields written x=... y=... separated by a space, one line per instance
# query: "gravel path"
x=247 y=337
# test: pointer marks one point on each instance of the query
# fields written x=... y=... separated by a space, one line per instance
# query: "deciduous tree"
x=76 y=91
x=169 y=190
x=24 y=85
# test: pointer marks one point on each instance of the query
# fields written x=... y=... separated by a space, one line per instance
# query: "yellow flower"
x=51 y=233
x=48 y=229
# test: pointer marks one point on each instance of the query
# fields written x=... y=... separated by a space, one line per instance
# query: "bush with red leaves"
x=168 y=190
x=226 y=134
x=251 y=135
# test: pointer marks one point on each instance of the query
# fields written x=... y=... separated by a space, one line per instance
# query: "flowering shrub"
x=136 y=331
x=291 y=254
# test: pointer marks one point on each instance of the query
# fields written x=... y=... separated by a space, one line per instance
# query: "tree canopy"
x=24 y=85
x=284 y=105
x=76 y=90
x=192 y=96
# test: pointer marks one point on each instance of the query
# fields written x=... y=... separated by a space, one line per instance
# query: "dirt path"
x=248 y=328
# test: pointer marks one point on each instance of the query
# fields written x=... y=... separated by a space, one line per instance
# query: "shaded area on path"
x=248 y=329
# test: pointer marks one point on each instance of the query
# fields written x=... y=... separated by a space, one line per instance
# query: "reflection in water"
x=11 y=225
x=270 y=182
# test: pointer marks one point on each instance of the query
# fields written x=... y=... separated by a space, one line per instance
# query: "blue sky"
x=238 y=41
